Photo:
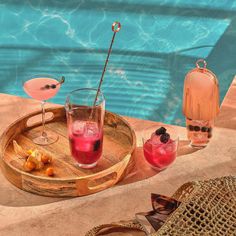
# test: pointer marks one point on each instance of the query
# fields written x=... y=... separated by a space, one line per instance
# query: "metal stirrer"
x=115 y=28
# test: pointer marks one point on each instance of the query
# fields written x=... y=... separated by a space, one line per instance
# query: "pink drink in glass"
x=42 y=88
x=35 y=88
x=85 y=142
x=85 y=126
x=158 y=154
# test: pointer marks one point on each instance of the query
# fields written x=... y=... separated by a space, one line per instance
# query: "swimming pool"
x=158 y=43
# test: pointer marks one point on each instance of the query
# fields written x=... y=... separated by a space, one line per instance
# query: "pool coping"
x=227 y=115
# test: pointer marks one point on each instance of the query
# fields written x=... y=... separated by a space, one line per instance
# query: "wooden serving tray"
x=69 y=180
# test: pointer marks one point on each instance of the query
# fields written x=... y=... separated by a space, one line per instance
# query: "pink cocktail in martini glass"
x=37 y=88
x=43 y=88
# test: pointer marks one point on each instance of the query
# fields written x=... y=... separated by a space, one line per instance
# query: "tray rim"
x=55 y=179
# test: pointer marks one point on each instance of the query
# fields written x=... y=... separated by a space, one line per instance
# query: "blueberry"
x=53 y=86
x=165 y=138
x=209 y=130
x=160 y=131
x=96 y=145
x=204 y=129
x=196 y=128
x=191 y=128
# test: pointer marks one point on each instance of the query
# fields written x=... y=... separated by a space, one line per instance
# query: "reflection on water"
x=159 y=42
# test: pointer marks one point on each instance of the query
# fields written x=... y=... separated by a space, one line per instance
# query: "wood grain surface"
x=68 y=180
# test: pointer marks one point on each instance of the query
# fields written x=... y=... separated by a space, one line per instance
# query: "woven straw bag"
x=207 y=208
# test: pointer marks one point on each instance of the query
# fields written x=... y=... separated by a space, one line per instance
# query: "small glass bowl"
x=160 y=155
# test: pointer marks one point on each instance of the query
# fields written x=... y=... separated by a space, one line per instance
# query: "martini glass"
x=42 y=88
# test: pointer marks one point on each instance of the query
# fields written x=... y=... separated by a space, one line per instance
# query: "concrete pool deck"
x=23 y=213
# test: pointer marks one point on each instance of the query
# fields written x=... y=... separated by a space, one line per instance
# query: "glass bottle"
x=200 y=104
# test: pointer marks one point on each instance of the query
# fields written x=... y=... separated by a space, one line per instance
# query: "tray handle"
x=55 y=114
x=83 y=184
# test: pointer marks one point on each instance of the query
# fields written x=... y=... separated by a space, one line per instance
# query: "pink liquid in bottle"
x=35 y=88
x=200 y=104
x=85 y=142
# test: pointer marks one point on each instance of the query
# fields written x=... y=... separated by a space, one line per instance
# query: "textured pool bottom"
x=158 y=44
x=148 y=91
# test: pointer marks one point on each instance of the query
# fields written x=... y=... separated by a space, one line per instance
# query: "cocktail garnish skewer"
x=53 y=86
x=116 y=26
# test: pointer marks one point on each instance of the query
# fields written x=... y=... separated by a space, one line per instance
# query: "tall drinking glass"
x=42 y=88
x=85 y=125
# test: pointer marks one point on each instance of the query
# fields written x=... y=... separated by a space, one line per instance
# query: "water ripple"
x=159 y=42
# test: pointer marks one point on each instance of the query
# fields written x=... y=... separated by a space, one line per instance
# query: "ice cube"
x=162 y=151
x=170 y=146
x=91 y=129
x=148 y=146
x=155 y=139
x=78 y=127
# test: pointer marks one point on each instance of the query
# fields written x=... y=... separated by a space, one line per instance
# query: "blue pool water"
x=159 y=42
